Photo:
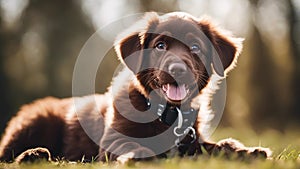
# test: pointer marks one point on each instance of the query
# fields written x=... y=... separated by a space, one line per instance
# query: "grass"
x=285 y=146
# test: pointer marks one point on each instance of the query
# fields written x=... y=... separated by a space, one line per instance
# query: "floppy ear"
x=130 y=44
x=129 y=51
x=226 y=47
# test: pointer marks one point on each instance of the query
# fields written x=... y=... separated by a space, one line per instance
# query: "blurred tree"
x=160 y=6
x=40 y=52
x=294 y=32
x=267 y=107
x=272 y=67
x=262 y=89
x=4 y=99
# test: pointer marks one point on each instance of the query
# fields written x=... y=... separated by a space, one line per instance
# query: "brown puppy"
x=154 y=105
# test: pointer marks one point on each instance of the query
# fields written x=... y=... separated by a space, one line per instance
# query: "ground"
x=285 y=145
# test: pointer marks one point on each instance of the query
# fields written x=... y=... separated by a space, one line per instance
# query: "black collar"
x=169 y=114
x=182 y=119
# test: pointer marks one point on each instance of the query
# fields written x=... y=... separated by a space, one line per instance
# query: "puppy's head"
x=175 y=54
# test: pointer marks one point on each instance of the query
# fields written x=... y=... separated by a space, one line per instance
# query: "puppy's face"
x=175 y=60
x=176 y=55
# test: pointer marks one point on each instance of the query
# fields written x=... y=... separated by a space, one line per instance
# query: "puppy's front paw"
x=259 y=152
x=140 y=154
x=125 y=158
x=233 y=148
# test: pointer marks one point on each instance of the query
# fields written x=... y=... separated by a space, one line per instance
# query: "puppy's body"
x=170 y=59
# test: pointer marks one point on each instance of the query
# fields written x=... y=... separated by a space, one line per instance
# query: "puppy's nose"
x=177 y=69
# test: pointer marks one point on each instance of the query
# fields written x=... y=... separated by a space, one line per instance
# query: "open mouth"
x=175 y=92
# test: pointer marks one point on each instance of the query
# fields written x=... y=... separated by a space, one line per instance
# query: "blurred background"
x=41 y=39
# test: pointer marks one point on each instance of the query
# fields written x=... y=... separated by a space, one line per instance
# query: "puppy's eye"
x=161 y=46
x=195 y=49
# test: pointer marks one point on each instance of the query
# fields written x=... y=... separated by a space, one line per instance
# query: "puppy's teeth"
x=165 y=87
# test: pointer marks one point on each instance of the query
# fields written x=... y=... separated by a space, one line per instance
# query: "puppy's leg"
x=233 y=148
x=115 y=147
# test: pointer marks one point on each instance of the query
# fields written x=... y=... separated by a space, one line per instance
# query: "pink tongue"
x=175 y=92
